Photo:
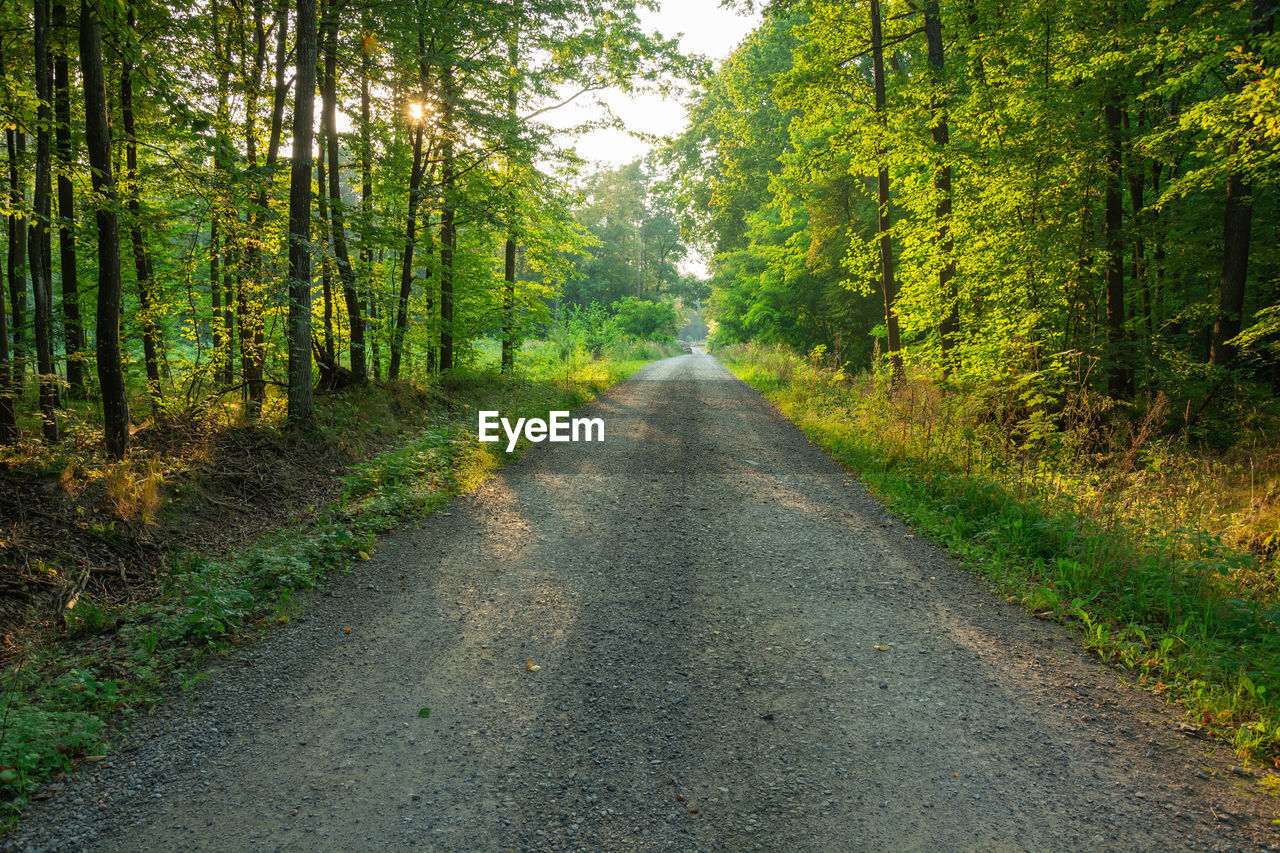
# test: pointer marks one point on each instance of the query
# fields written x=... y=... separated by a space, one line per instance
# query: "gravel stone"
x=704 y=597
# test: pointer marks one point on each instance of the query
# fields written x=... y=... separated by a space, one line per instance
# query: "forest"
x=990 y=190
x=224 y=237
x=1015 y=265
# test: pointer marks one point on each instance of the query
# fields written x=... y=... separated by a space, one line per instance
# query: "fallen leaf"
x=346 y=629
x=364 y=555
x=531 y=666
x=424 y=712
x=882 y=648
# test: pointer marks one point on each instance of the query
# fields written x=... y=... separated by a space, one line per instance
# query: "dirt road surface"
x=735 y=649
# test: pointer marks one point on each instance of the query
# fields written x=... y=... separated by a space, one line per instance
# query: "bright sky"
x=704 y=27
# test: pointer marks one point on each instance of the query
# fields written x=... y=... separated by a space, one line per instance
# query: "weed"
x=1076 y=509
x=134 y=494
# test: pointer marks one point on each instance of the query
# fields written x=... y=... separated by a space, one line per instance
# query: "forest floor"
x=70 y=526
x=698 y=635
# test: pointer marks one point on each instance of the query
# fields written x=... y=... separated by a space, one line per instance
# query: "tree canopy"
x=1042 y=187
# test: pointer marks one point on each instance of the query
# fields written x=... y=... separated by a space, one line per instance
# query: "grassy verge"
x=73 y=686
x=1104 y=535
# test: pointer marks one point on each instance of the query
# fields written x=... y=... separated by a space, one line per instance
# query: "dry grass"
x=1112 y=516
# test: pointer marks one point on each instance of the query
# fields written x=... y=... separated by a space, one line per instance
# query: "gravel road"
x=737 y=649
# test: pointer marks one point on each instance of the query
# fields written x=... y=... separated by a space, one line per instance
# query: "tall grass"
x=1160 y=553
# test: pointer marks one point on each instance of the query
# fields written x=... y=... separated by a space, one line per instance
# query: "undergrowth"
x=71 y=690
x=1160 y=553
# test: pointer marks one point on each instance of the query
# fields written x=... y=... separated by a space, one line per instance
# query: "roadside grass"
x=1158 y=553
x=71 y=688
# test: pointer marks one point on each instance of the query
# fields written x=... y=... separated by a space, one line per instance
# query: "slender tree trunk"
x=883 y=214
x=300 y=400
x=1237 y=223
x=366 y=192
x=375 y=315
x=448 y=213
x=949 y=329
x=73 y=327
x=215 y=296
x=1237 y=227
x=41 y=279
x=326 y=280
x=250 y=296
x=250 y=293
x=115 y=401
x=1119 y=370
x=280 y=93
x=1136 y=174
x=337 y=218
x=509 y=265
x=9 y=388
x=1158 y=252
x=406 y=261
x=151 y=332
x=221 y=245
x=8 y=414
x=17 y=261
x=432 y=302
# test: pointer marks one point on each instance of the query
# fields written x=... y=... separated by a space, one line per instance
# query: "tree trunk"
x=300 y=400
x=326 y=280
x=41 y=279
x=115 y=401
x=337 y=220
x=17 y=262
x=1136 y=175
x=509 y=265
x=252 y=331
x=151 y=332
x=1119 y=375
x=249 y=292
x=72 y=325
x=221 y=249
x=215 y=296
x=448 y=212
x=949 y=329
x=883 y=217
x=366 y=193
x=406 y=261
x=1237 y=223
x=8 y=414
x=1157 y=271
